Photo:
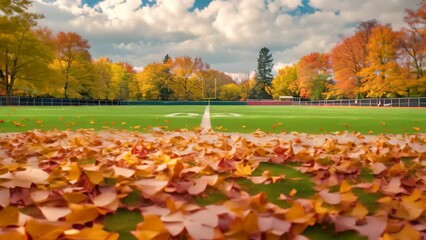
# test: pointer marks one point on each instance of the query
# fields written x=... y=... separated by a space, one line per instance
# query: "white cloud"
x=227 y=34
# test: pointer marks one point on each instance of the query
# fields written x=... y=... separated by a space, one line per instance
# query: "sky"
x=227 y=34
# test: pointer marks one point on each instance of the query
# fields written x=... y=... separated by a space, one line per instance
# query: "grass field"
x=223 y=118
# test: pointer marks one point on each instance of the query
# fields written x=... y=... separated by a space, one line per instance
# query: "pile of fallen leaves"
x=64 y=184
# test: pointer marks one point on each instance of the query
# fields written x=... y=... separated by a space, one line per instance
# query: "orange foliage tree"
x=413 y=45
x=383 y=76
x=72 y=53
x=313 y=73
x=187 y=74
x=349 y=57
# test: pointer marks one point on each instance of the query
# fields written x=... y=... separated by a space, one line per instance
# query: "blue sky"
x=227 y=34
x=199 y=4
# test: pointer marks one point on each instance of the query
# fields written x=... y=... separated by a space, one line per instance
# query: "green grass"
x=321 y=119
x=98 y=117
x=266 y=118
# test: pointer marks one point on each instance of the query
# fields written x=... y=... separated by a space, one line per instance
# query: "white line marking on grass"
x=183 y=115
x=206 y=125
x=215 y=115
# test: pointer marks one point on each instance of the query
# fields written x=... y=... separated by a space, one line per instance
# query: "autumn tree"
x=187 y=74
x=263 y=87
x=349 y=57
x=9 y=7
x=382 y=76
x=230 y=92
x=313 y=74
x=412 y=41
x=153 y=81
x=24 y=57
x=72 y=56
x=212 y=82
x=285 y=82
x=246 y=85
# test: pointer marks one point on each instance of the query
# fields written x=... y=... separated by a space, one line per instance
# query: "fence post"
x=409 y=102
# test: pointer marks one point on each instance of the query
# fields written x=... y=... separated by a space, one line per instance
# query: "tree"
x=230 y=92
x=14 y=6
x=285 y=83
x=246 y=84
x=166 y=59
x=24 y=56
x=186 y=77
x=349 y=57
x=313 y=74
x=213 y=80
x=412 y=41
x=263 y=87
x=347 y=61
x=152 y=82
x=72 y=54
x=383 y=75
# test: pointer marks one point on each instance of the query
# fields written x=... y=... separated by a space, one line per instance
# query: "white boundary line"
x=206 y=125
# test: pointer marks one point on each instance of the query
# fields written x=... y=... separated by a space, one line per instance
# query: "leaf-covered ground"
x=186 y=185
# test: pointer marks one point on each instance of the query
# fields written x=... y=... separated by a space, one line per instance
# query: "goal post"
x=208 y=89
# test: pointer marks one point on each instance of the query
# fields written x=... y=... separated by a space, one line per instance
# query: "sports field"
x=245 y=119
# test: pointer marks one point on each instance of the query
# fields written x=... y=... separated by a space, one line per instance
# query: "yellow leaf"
x=407 y=233
x=384 y=200
x=45 y=230
x=74 y=197
x=359 y=211
x=9 y=216
x=242 y=169
x=95 y=177
x=318 y=206
x=348 y=197
x=74 y=172
x=345 y=187
x=82 y=213
x=94 y=233
x=415 y=195
x=250 y=224
x=410 y=210
x=292 y=192
x=151 y=228
x=296 y=211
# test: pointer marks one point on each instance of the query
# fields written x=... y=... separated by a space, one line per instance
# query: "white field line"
x=206 y=125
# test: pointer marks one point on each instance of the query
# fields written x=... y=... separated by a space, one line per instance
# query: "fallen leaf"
x=46 y=230
x=9 y=216
x=151 y=228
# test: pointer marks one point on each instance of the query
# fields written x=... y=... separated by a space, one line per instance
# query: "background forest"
x=375 y=61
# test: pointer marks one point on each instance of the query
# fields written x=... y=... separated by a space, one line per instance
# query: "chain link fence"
x=381 y=102
x=371 y=102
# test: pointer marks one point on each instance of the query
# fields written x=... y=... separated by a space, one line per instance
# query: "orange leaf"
x=82 y=213
x=9 y=216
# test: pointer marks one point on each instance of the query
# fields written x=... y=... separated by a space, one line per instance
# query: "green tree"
x=263 y=87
